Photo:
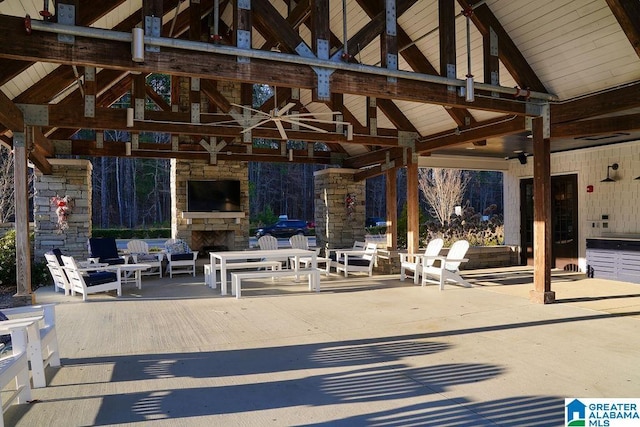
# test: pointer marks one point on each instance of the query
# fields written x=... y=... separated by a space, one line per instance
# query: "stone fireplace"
x=205 y=241
x=207 y=231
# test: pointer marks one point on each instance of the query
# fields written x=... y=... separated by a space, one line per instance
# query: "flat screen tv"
x=213 y=196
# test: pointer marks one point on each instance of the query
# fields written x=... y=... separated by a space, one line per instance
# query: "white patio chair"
x=91 y=280
x=414 y=262
x=180 y=257
x=42 y=346
x=356 y=261
x=139 y=251
x=270 y=243
x=299 y=241
x=448 y=268
x=60 y=280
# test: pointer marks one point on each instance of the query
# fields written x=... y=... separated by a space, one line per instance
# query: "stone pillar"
x=339 y=208
x=71 y=178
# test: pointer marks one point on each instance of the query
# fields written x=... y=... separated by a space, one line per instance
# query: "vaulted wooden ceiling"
x=394 y=69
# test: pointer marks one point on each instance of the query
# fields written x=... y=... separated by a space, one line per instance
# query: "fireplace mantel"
x=193 y=215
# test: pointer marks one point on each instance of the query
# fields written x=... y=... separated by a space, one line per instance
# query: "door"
x=564 y=221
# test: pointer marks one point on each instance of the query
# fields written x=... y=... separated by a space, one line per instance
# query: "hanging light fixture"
x=608 y=178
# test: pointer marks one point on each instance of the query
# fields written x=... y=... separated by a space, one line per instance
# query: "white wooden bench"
x=14 y=370
x=209 y=272
x=236 y=278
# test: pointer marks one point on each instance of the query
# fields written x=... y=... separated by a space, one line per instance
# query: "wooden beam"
x=210 y=90
x=157 y=98
x=509 y=53
x=10 y=114
x=374 y=157
x=85 y=17
x=542 y=238
x=116 y=55
x=627 y=12
x=605 y=102
x=481 y=130
x=418 y=63
x=600 y=126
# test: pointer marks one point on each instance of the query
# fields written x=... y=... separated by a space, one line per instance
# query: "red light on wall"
x=589 y=188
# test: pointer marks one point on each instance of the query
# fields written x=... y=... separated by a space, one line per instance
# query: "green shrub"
x=127 y=233
x=39 y=272
x=479 y=230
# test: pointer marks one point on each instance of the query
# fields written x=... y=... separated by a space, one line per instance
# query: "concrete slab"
x=363 y=351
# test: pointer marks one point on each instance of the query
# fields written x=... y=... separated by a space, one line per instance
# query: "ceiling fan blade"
x=244 y=107
x=260 y=123
x=333 y=113
x=286 y=108
x=283 y=134
x=331 y=122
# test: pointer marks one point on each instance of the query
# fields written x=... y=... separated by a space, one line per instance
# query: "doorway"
x=564 y=221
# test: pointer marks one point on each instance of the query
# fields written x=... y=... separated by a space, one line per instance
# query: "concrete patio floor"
x=363 y=351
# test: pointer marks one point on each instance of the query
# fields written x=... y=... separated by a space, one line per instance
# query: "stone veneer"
x=183 y=227
x=335 y=228
x=70 y=177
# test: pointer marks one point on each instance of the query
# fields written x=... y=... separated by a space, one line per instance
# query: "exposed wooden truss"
x=116 y=75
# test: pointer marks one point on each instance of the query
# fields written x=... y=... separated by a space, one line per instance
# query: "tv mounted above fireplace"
x=213 y=196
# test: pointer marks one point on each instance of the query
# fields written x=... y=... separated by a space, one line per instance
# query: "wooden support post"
x=22 y=140
x=392 y=209
x=542 y=239
x=413 y=216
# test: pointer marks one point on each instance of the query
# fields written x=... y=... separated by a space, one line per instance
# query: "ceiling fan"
x=280 y=115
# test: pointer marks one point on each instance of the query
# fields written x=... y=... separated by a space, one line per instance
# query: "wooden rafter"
x=509 y=54
x=627 y=12
x=489 y=128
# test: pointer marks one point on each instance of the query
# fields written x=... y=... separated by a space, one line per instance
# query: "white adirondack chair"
x=415 y=262
x=139 y=251
x=299 y=241
x=60 y=280
x=447 y=269
x=97 y=279
x=270 y=243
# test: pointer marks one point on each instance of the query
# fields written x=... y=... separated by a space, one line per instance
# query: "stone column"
x=71 y=178
x=339 y=208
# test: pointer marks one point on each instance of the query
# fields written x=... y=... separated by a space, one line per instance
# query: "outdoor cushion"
x=358 y=261
x=179 y=247
x=100 y=277
x=58 y=253
x=105 y=249
x=146 y=257
x=181 y=257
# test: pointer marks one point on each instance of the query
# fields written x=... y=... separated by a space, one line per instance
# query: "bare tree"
x=7 y=199
x=443 y=189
